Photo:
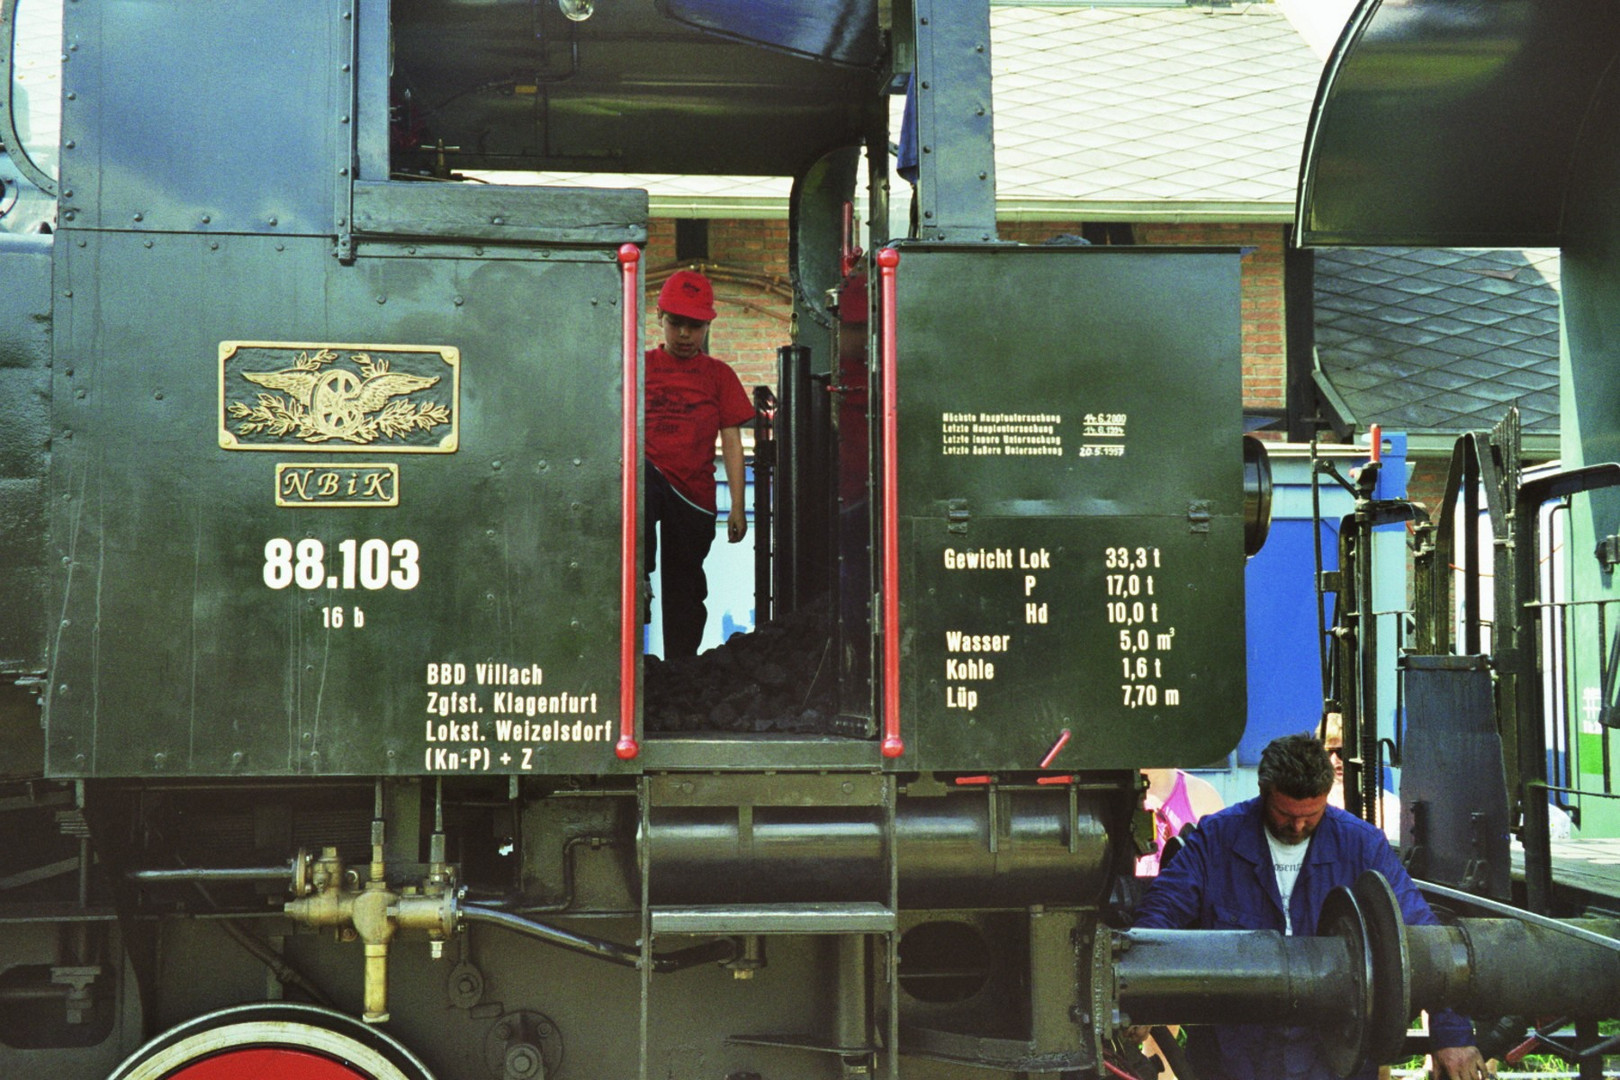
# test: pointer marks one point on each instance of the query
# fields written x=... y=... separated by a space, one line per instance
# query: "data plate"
x=1071 y=507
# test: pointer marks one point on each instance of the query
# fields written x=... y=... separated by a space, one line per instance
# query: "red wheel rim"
x=267 y=1063
x=273 y=1041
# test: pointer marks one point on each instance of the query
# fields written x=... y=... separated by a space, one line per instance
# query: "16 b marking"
x=333 y=617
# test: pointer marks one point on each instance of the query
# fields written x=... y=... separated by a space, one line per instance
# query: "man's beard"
x=1285 y=838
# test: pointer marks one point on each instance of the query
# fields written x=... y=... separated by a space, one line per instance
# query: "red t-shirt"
x=688 y=402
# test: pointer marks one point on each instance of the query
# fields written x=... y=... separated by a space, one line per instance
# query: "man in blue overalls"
x=1268 y=864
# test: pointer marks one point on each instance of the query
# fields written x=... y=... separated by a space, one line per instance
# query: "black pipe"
x=1493 y=967
x=717 y=951
x=1232 y=977
x=199 y=877
x=790 y=427
x=284 y=972
x=971 y=848
x=817 y=492
x=764 y=514
x=1365 y=724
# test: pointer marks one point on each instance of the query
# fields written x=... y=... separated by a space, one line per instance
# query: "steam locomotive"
x=324 y=698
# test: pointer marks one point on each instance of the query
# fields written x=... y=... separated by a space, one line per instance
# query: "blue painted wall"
x=1284 y=669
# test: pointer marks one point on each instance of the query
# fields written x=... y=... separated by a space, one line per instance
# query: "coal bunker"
x=781 y=677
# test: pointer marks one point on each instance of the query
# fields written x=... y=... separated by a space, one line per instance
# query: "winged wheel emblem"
x=319 y=400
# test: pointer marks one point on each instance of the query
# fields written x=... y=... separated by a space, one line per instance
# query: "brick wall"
x=1265 y=350
x=748 y=262
x=1427 y=482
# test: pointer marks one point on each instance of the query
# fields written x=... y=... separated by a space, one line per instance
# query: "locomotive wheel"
x=333 y=404
x=289 y=1042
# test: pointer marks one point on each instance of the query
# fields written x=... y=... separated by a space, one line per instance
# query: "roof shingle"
x=1477 y=328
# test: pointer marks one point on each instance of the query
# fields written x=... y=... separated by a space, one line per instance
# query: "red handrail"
x=888 y=259
x=629 y=615
x=850 y=255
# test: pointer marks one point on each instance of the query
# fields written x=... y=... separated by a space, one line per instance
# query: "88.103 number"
x=372 y=564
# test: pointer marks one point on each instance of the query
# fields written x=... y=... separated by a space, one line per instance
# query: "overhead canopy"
x=843 y=31
x=636 y=87
x=1454 y=123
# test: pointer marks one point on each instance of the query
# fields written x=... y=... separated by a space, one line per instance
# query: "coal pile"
x=781 y=677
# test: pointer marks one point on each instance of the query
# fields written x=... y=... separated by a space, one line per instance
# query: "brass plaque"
x=329 y=483
x=332 y=398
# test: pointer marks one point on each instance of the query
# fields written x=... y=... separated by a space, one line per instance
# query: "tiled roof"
x=1147 y=108
x=1440 y=341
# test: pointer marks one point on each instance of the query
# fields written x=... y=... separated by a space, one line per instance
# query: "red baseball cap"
x=688 y=294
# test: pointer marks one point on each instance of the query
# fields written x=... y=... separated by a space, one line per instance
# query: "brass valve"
x=374 y=913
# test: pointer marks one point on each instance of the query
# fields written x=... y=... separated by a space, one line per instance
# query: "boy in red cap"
x=691 y=397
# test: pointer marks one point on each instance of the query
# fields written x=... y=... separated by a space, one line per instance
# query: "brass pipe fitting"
x=376 y=1011
x=375 y=913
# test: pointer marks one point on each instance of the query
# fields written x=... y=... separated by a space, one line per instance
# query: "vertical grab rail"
x=893 y=746
x=629 y=623
x=850 y=254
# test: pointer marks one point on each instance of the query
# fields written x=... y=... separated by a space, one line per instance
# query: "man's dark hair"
x=1297 y=766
